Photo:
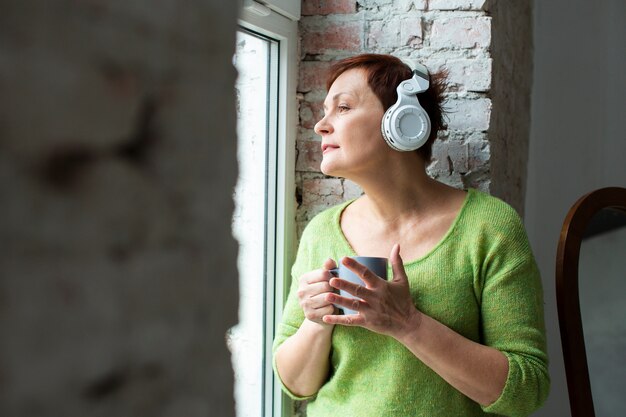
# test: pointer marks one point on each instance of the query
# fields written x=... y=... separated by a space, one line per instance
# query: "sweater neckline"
x=351 y=252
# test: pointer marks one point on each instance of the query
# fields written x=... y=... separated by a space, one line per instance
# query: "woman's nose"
x=323 y=127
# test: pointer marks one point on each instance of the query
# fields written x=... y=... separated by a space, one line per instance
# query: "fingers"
x=315 y=302
x=356 y=290
x=368 y=277
x=329 y=264
x=397 y=265
x=319 y=275
x=312 y=291
x=317 y=314
x=345 y=320
x=345 y=302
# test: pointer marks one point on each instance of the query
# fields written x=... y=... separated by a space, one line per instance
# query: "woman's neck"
x=400 y=192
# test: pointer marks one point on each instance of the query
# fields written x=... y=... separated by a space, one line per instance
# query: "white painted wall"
x=578 y=139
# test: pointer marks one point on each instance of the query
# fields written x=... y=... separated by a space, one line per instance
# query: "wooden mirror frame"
x=567 y=297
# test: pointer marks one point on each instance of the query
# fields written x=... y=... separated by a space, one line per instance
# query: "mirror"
x=589 y=302
x=602 y=288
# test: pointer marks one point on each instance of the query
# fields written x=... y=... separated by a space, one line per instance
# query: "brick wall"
x=455 y=34
x=118 y=274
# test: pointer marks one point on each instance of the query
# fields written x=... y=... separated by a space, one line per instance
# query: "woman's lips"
x=327 y=148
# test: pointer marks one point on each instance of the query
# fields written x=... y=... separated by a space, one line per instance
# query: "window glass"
x=264 y=217
x=253 y=217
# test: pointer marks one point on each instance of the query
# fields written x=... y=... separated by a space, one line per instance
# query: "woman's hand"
x=384 y=306
x=313 y=293
x=302 y=361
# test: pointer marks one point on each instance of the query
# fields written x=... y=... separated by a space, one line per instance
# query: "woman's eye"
x=343 y=108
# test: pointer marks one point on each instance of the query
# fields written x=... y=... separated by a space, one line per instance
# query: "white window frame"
x=266 y=20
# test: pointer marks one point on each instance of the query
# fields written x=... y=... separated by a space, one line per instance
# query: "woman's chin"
x=330 y=170
x=326 y=168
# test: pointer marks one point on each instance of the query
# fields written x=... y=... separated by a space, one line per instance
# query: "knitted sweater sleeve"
x=512 y=317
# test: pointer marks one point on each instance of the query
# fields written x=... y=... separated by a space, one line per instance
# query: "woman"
x=458 y=329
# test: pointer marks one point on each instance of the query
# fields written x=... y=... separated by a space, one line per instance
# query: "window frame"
x=282 y=242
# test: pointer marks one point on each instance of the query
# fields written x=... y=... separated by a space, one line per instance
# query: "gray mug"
x=377 y=265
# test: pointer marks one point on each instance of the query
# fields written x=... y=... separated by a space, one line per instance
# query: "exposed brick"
x=469 y=114
x=310 y=113
x=453 y=179
x=375 y=4
x=461 y=32
x=307 y=134
x=411 y=32
x=458 y=154
x=306 y=115
x=456 y=4
x=312 y=76
x=396 y=26
x=319 y=194
x=383 y=34
x=405 y=5
x=479 y=153
x=319 y=38
x=351 y=190
x=321 y=187
x=449 y=156
x=309 y=156
x=438 y=164
x=466 y=74
x=326 y=7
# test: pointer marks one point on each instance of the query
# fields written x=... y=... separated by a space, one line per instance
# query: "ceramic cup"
x=377 y=265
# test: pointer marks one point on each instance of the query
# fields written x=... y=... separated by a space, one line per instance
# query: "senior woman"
x=458 y=330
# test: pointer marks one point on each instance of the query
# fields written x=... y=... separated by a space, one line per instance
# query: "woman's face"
x=350 y=129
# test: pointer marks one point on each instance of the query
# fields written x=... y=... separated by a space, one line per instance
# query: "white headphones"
x=406 y=125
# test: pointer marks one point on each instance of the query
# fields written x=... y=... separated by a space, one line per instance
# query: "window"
x=263 y=222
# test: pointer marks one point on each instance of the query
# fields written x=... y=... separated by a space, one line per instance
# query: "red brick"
x=312 y=76
x=344 y=36
x=309 y=156
x=323 y=192
x=311 y=113
x=325 y=7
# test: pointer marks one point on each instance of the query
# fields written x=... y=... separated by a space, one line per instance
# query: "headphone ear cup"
x=405 y=127
x=385 y=128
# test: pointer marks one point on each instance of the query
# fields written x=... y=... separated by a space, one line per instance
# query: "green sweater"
x=481 y=280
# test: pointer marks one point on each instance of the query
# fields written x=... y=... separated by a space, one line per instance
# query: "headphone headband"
x=421 y=71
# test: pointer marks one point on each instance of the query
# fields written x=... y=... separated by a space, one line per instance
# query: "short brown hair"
x=384 y=74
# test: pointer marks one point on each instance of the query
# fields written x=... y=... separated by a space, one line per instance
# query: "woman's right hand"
x=312 y=293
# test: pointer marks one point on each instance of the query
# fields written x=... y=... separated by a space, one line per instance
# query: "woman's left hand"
x=384 y=307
